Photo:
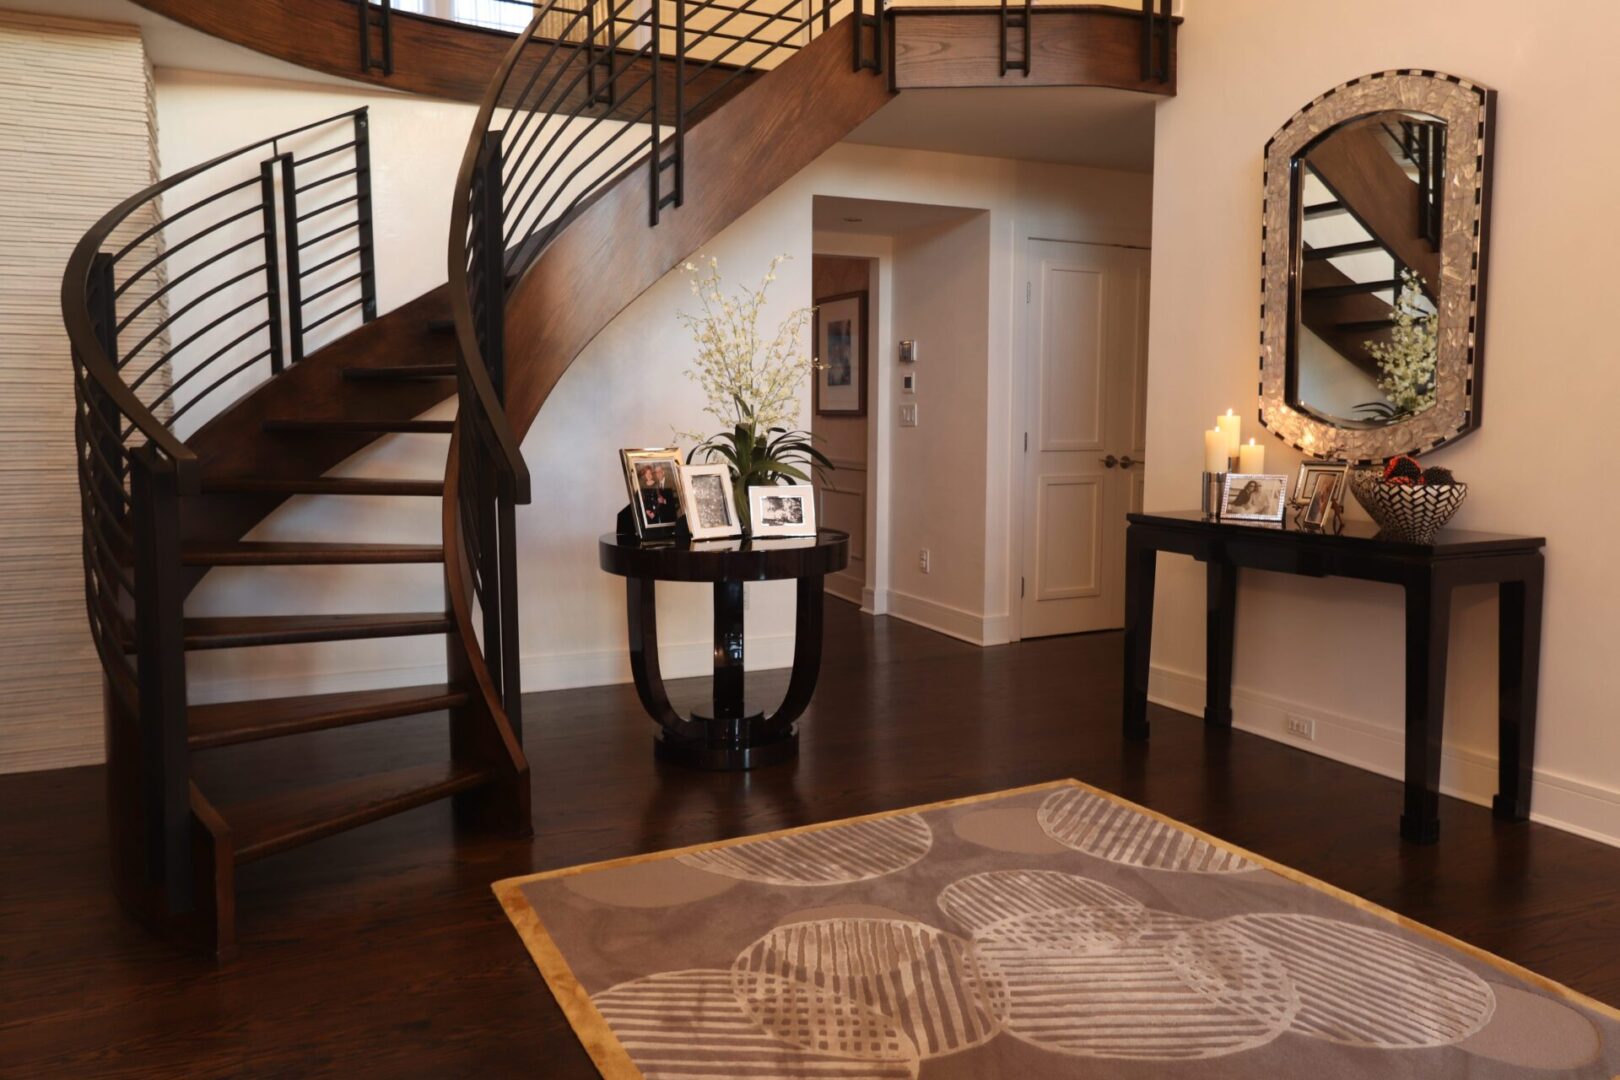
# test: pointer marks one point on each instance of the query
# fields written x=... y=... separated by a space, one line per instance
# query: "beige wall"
x=66 y=158
x=1332 y=649
x=938 y=498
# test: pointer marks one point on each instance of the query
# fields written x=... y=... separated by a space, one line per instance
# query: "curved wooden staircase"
x=549 y=242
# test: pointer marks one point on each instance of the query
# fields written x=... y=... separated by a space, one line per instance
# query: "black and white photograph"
x=1254 y=497
x=706 y=495
x=839 y=388
x=1314 y=474
x=788 y=510
x=652 y=475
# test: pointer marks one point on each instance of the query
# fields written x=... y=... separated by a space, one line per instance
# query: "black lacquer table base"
x=1428 y=574
x=730 y=738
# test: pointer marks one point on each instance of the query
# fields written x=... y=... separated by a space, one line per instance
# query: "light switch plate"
x=908 y=415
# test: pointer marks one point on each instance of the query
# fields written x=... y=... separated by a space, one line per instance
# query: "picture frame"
x=1312 y=473
x=1254 y=497
x=1314 y=515
x=784 y=510
x=839 y=386
x=708 y=502
x=652 y=477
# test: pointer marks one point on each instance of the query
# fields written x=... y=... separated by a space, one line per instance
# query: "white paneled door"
x=1085 y=410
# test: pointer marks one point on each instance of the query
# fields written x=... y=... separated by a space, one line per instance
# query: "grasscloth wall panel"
x=76 y=136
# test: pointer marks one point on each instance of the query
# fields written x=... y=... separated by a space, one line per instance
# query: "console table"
x=1427 y=573
x=728 y=739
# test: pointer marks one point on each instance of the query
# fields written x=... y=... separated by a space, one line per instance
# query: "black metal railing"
x=181 y=299
x=376 y=22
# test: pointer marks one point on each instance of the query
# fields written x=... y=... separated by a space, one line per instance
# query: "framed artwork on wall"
x=839 y=388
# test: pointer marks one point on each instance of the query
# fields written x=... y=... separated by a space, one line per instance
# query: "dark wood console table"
x=1428 y=574
x=728 y=739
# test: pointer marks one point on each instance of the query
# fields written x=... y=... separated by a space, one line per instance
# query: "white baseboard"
x=845 y=587
x=951 y=621
x=874 y=601
x=1576 y=806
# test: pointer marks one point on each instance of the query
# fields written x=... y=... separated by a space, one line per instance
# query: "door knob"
x=1127 y=461
x=1109 y=462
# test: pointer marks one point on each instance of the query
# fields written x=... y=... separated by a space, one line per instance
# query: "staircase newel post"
x=490 y=224
x=511 y=673
x=289 y=231
x=655 y=163
x=161 y=662
x=362 y=206
x=102 y=294
x=272 y=265
x=680 y=102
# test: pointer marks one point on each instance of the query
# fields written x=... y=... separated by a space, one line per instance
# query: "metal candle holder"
x=1214 y=482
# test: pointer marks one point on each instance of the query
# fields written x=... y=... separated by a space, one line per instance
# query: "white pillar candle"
x=1215 y=456
x=1232 y=427
x=1251 y=458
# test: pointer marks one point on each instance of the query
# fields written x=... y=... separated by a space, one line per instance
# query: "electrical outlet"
x=908 y=415
x=1302 y=727
x=922 y=561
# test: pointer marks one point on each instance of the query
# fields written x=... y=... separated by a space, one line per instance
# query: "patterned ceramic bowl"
x=1409 y=512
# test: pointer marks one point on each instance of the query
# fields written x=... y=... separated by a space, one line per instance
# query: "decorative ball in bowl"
x=1409 y=512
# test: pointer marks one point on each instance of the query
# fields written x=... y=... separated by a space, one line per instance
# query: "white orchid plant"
x=1407 y=361
x=752 y=383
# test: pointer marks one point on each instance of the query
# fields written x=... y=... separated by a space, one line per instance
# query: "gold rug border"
x=614 y=1062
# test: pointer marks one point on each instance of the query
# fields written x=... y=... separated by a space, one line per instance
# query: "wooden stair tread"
x=351 y=426
x=399 y=372
x=238 y=631
x=296 y=553
x=228 y=722
x=323 y=485
x=287 y=819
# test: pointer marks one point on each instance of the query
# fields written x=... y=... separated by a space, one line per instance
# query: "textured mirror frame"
x=1469 y=112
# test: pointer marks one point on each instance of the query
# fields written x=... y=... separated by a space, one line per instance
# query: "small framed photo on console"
x=1254 y=497
x=1314 y=476
x=706 y=497
x=788 y=510
x=653 y=476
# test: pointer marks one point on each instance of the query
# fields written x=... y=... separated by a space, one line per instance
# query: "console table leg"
x=728 y=660
x=1221 y=626
x=1519 y=669
x=1428 y=631
x=1141 y=564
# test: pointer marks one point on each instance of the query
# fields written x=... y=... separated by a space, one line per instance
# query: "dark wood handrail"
x=509 y=453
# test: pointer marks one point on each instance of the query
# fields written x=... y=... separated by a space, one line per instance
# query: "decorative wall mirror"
x=1376 y=217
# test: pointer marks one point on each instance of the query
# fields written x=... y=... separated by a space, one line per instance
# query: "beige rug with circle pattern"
x=1049 y=932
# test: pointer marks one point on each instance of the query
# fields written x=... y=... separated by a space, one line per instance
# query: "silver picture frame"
x=1254 y=497
x=1312 y=473
x=783 y=510
x=709 y=503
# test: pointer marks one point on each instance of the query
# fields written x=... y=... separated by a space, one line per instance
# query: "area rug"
x=1048 y=932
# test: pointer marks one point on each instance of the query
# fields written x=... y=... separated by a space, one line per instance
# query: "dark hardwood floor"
x=381 y=952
